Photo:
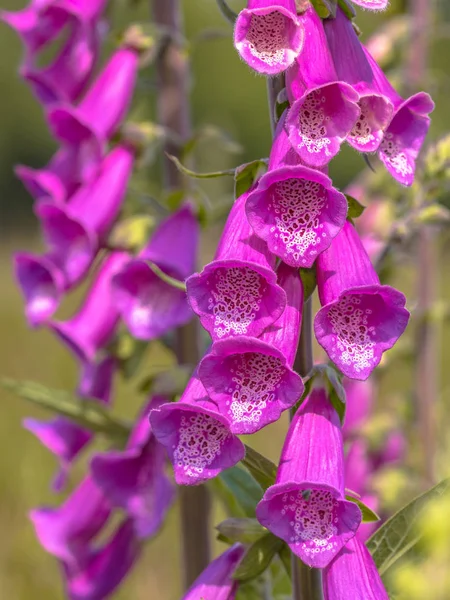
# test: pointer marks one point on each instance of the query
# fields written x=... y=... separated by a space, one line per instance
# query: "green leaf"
x=176 y=283
x=244 y=488
x=262 y=469
x=246 y=531
x=87 y=413
x=332 y=380
x=189 y=173
x=309 y=281
x=325 y=8
x=258 y=557
x=245 y=175
x=355 y=208
x=368 y=515
x=399 y=534
x=347 y=9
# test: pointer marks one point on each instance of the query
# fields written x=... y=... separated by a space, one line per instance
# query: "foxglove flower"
x=352 y=66
x=104 y=567
x=62 y=436
x=359 y=318
x=216 y=580
x=134 y=479
x=360 y=397
x=93 y=326
x=323 y=110
x=296 y=210
x=251 y=380
x=353 y=575
x=268 y=35
x=197 y=438
x=67 y=530
x=149 y=306
x=405 y=135
x=372 y=4
x=306 y=507
x=73 y=234
x=87 y=127
x=237 y=294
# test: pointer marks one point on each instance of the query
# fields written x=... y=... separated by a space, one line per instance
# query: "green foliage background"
x=227 y=95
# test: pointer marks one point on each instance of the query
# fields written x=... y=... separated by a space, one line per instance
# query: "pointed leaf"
x=399 y=534
x=325 y=8
x=245 y=175
x=368 y=515
x=355 y=208
x=262 y=469
x=258 y=557
x=244 y=488
x=309 y=281
x=246 y=531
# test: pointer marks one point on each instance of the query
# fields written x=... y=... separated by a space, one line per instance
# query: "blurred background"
x=226 y=97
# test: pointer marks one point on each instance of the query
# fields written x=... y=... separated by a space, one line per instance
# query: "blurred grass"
x=226 y=94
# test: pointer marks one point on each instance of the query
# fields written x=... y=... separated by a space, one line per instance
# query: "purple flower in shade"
x=359 y=318
x=216 y=583
x=268 y=35
x=251 y=380
x=56 y=182
x=86 y=128
x=352 y=66
x=134 y=479
x=62 y=436
x=197 y=438
x=73 y=235
x=67 y=530
x=149 y=306
x=392 y=451
x=94 y=325
x=294 y=209
x=404 y=137
x=360 y=397
x=306 y=507
x=323 y=110
x=104 y=567
x=352 y=575
x=237 y=294
x=372 y=4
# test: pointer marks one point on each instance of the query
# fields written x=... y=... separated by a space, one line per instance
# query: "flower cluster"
x=78 y=199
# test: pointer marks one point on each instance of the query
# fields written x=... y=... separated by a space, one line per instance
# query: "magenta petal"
x=360 y=397
x=306 y=506
x=353 y=575
x=268 y=35
x=105 y=567
x=216 y=581
x=67 y=530
x=297 y=212
x=372 y=5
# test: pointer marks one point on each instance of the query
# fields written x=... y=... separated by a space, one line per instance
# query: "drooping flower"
x=405 y=135
x=134 y=479
x=352 y=575
x=360 y=396
x=352 y=66
x=359 y=318
x=73 y=234
x=94 y=324
x=295 y=209
x=87 y=127
x=63 y=437
x=323 y=109
x=149 y=306
x=104 y=567
x=268 y=35
x=306 y=506
x=66 y=531
x=237 y=293
x=197 y=438
x=251 y=380
x=216 y=580
x=372 y=4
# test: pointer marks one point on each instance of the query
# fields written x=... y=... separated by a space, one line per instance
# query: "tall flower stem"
x=173 y=107
x=427 y=270
x=306 y=582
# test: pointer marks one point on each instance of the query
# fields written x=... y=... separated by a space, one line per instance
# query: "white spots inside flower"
x=313 y=519
x=200 y=442
x=312 y=124
x=268 y=37
x=235 y=299
x=362 y=130
x=353 y=343
x=297 y=205
x=257 y=376
x=394 y=156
